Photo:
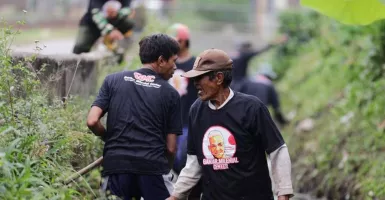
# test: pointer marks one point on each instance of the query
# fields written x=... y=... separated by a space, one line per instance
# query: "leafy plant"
x=357 y=12
x=39 y=142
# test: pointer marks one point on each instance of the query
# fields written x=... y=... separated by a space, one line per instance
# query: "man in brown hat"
x=239 y=128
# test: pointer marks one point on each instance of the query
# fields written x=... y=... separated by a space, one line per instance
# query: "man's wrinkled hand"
x=283 y=197
x=115 y=35
x=172 y=198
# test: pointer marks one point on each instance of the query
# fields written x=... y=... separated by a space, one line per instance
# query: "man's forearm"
x=188 y=177
x=265 y=48
x=171 y=148
x=170 y=157
x=98 y=129
x=281 y=171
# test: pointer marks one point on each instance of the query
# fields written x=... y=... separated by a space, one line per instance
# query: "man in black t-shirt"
x=110 y=19
x=144 y=119
x=188 y=93
x=230 y=134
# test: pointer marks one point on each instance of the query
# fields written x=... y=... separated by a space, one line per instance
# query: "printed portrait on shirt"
x=219 y=147
x=178 y=82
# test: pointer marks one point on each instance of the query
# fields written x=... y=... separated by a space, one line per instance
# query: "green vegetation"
x=334 y=75
x=42 y=143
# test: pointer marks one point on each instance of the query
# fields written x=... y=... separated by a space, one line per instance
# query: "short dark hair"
x=226 y=79
x=153 y=46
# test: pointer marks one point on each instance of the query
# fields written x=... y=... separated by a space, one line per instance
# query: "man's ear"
x=220 y=77
x=161 y=61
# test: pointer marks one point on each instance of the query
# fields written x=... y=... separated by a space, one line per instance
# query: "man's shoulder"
x=196 y=105
x=167 y=87
x=247 y=99
x=118 y=75
x=113 y=76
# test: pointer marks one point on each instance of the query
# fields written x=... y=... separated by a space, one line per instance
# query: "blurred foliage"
x=300 y=27
x=209 y=14
x=334 y=74
x=224 y=11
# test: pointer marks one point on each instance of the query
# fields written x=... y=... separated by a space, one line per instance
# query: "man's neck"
x=223 y=94
x=183 y=56
x=151 y=66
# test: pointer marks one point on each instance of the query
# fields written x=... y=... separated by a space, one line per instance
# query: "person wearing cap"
x=111 y=19
x=144 y=119
x=187 y=92
x=263 y=88
x=230 y=134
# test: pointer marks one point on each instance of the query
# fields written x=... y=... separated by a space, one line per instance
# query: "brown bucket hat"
x=209 y=60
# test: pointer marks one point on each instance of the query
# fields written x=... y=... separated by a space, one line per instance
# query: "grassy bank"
x=333 y=75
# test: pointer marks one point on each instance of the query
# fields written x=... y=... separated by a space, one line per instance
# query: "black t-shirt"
x=142 y=109
x=230 y=144
x=87 y=17
x=185 y=87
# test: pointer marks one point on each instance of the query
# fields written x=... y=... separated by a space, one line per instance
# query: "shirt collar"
x=231 y=95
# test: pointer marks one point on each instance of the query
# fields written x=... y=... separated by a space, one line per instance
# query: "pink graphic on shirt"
x=146 y=78
x=219 y=147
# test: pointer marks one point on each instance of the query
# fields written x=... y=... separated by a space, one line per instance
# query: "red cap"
x=179 y=31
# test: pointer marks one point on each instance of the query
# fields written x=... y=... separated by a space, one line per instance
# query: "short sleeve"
x=267 y=130
x=190 y=139
x=103 y=99
x=174 y=124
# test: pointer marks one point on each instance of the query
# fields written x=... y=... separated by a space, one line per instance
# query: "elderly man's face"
x=207 y=89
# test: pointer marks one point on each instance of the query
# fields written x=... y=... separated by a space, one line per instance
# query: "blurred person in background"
x=110 y=19
x=262 y=86
x=244 y=53
x=188 y=93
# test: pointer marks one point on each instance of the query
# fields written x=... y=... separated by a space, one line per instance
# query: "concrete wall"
x=62 y=70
